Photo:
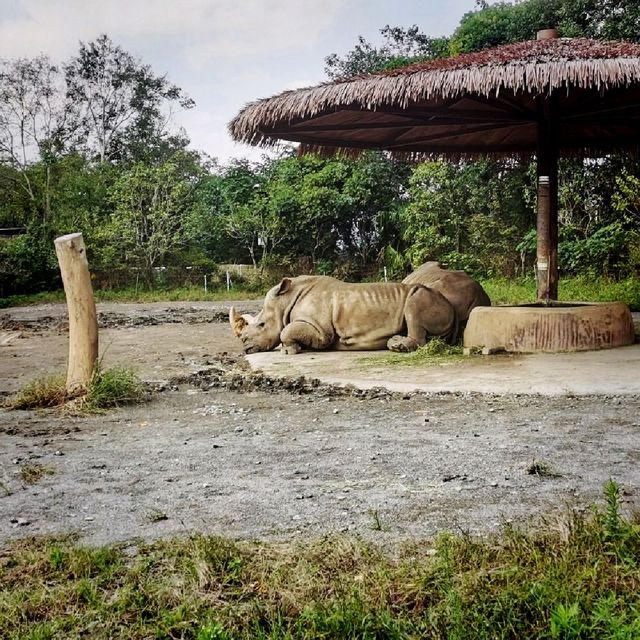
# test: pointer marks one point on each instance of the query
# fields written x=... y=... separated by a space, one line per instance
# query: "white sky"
x=222 y=53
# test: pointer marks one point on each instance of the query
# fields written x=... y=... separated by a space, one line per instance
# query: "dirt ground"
x=265 y=463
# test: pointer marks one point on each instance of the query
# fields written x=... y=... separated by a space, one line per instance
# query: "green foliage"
x=505 y=22
x=465 y=218
x=27 y=262
x=151 y=204
x=400 y=47
x=113 y=387
x=586 y=289
x=567 y=581
x=83 y=148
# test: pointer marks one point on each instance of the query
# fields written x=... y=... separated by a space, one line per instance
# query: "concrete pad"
x=607 y=372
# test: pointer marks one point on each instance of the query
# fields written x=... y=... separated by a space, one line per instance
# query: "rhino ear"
x=285 y=285
x=237 y=322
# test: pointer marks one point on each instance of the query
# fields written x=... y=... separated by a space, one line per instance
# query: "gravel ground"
x=273 y=464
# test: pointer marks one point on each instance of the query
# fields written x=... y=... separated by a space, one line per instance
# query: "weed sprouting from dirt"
x=542 y=469
x=435 y=352
x=580 y=580
x=48 y=390
x=32 y=473
x=156 y=515
x=113 y=387
x=108 y=388
x=376 y=520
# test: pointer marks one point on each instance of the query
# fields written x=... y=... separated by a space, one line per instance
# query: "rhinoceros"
x=320 y=312
x=461 y=290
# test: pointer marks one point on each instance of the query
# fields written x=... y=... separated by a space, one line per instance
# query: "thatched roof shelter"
x=547 y=97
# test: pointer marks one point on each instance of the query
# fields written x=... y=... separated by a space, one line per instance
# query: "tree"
x=400 y=46
x=34 y=127
x=152 y=204
x=506 y=22
x=123 y=106
x=470 y=216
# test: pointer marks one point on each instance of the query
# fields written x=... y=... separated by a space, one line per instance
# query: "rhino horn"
x=237 y=322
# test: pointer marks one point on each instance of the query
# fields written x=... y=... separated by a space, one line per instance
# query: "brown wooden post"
x=83 y=322
x=547 y=224
x=547 y=174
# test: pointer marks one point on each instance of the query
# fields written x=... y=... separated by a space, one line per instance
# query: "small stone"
x=206 y=485
x=58 y=453
x=23 y=522
x=432 y=552
x=88 y=518
x=336 y=411
x=239 y=429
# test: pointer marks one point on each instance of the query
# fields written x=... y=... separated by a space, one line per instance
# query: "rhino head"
x=262 y=332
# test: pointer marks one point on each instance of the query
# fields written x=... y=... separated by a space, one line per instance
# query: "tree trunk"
x=83 y=323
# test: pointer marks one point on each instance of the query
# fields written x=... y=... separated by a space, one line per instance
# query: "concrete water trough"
x=551 y=328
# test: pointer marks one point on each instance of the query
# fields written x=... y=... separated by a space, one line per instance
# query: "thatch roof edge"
x=373 y=92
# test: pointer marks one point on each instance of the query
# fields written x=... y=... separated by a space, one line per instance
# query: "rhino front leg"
x=402 y=344
x=300 y=334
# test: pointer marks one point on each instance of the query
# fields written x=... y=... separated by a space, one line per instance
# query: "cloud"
x=204 y=31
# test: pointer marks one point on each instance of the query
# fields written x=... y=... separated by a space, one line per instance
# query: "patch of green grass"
x=108 y=388
x=113 y=387
x=523 y=290
x=577 y=579
x=186 y=294
x=33 y=472
x=435 y=352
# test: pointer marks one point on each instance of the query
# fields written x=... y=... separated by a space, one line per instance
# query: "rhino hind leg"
x=428 y=314
x=300 y=334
